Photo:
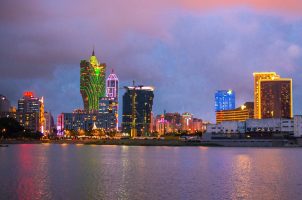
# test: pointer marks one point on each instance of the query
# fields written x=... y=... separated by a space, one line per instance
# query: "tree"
x=10 y=128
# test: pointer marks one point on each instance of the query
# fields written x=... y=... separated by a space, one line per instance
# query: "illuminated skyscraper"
x=92 y=83
x=224 y=100
x=258 y=76
x=112 y=86
x=31 y=112
x=276 y=98
x=137 y=110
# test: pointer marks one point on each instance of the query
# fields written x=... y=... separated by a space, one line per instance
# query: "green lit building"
x=92 y=83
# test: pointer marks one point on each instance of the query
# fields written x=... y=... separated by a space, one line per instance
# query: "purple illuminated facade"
x=112 y=85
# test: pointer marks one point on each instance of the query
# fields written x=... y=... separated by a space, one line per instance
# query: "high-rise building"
x=258 y=76
x=92 y=83
x=31 y=112
x=162 y=125
x=49 y=123
x=242 y=113
x=4 y=104
x=174 y=120
x=137 y=108
x=276 y=98
x=168 y=123
x=112 y=85
x=187 y=122
x=109 y=106
x=272 y=95
x=224 y=100
x=29 y=103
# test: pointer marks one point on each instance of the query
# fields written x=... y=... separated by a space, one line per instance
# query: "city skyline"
x=215 y=49
x=220 y=95
x=160 y=99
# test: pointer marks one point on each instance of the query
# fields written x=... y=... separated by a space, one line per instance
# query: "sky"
x=186 y=49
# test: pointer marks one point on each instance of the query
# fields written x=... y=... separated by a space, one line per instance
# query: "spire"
x=93 y=51
x=112 y=71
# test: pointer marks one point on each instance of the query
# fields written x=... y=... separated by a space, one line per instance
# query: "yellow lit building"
x=41 y=116
x=242 y=113
x=276 y=98
x=272 y=96
x=258 y=76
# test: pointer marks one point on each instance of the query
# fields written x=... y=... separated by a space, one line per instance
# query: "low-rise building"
x=298 y=125
x=85 y=121
x=242 y=113
x=257 y=128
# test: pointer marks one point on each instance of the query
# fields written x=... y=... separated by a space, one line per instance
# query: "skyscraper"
x=29 y=103
x=258 y=76
x=31 y=112
x=187 y=122
x=4 y=104
x=108 y=106
x=224 y=100
x=112 y=86
x=137 y=110
x=276 y=98
x=49 y=123
x=92 y=83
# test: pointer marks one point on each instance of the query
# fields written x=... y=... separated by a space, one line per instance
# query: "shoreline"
x=126 y=142
x=172 y=143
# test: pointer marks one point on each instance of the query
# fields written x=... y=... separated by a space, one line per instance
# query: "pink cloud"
x=277 y=5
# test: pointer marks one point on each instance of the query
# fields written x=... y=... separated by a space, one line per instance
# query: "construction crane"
x=133 y=132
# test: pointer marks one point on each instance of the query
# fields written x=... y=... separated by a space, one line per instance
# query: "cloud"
x=186 y=49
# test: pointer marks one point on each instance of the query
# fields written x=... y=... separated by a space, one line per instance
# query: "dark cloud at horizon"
x=186 y=53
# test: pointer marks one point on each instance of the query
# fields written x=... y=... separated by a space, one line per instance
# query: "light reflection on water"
x=122 y=172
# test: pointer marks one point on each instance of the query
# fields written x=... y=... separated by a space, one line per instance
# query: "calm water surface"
x=121 y=172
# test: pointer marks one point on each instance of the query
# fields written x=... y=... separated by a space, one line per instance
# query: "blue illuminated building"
x=224 y=100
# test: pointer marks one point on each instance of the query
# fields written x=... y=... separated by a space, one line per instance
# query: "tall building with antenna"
x=92 y=82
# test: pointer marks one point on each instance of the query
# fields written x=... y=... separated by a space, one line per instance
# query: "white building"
x=298 y=125
x=270 y=125
x=292 y=127
x=227 y=127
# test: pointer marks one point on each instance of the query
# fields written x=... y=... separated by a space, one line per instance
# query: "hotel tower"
x=272 y=96
x=92 y=83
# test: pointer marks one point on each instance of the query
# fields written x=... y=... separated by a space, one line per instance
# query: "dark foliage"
x=10 y=128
